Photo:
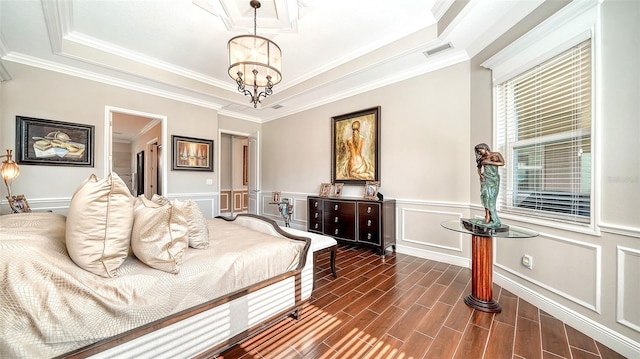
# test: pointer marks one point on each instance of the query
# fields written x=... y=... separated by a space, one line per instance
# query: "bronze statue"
x=487 y=163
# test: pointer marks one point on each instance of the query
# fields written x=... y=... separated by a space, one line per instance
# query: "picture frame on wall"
x=191 y=154
x=371 y=190
x=53 y=143
x=355 y=147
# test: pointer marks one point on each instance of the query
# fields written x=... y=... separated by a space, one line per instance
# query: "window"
x=544 y=129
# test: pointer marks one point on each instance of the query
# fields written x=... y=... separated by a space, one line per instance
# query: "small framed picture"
x=19 y=204
x=325 y=189
x=338 y=190
x=275 y=197
x=371 y=190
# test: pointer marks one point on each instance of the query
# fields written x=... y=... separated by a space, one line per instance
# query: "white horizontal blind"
x=544 y=131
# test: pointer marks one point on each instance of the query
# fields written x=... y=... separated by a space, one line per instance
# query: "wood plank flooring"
x=405 y=307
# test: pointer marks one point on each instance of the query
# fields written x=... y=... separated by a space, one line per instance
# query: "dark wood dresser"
x=354 y=221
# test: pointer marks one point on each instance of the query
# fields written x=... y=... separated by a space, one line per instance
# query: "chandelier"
x=254 y=61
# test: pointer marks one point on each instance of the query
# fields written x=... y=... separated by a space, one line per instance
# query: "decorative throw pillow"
x=99 y=225
x=197 y=223
x=159 y=237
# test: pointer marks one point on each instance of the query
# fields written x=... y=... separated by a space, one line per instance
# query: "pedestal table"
x=481 y=297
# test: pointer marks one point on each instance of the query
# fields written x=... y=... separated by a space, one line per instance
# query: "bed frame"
x=214 y=326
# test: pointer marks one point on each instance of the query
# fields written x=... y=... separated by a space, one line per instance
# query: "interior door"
x=254 y=173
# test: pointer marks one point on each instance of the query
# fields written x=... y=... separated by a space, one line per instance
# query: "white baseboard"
x=602 y=334
x=436 y=256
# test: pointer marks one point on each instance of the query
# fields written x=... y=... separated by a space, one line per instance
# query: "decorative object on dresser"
x=192 y=154
x=337 y=190
x=46 y=142
x=18 y=204
x=355 y=147
x=325 y=189
x=355 y=221
x=371 y=190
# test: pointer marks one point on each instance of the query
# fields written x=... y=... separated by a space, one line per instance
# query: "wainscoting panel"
x=206 y=201
x=628 y=288
x=225 y=201
x=550 y=258
x=422 y=227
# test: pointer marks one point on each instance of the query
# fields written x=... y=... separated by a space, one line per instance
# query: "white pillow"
x=99 y=225
x=159 y=237
x=196 y=221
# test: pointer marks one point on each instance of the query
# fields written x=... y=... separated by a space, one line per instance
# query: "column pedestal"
x=481 y=297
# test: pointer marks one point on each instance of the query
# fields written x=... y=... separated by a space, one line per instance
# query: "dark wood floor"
x=405 y=307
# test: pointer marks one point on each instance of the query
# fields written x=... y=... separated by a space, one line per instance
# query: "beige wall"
x=49 y=95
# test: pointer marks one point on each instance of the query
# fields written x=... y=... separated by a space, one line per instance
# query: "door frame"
x=108 y=138
x=253 y=169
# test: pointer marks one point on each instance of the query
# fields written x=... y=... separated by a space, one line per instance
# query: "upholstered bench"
x=319 y=244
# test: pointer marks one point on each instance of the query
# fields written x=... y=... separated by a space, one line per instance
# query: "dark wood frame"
x=245 y=165
x=31 y=131
x=176 y=163
x=140 y=173
x=369 y=126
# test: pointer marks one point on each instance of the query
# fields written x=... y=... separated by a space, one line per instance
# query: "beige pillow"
x=159 y=237
x=99 y=225
x=196 y=221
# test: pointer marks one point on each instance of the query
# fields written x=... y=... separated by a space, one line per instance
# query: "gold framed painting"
x=355 y=147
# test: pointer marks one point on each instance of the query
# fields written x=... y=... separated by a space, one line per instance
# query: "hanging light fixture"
x=254 y=61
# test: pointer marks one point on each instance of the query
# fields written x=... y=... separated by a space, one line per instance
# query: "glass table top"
x=513 y=232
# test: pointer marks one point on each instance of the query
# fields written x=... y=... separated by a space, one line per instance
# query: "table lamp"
x=9 y=170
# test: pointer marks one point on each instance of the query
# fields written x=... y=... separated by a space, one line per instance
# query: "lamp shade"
x=9 y=168
x=248 y=53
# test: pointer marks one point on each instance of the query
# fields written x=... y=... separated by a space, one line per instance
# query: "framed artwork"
x=371 y=190
x=18 y=204
x=355 y=147
x=275 y=197
x=325 y=189
x=192 y=154
x=53 y=143
x=338 y=190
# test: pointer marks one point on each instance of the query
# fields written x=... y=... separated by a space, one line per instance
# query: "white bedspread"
x=49 y=306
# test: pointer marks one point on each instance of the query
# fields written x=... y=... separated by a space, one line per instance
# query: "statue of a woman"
x=488 y=163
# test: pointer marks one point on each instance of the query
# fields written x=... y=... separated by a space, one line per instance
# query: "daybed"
x=251 y=275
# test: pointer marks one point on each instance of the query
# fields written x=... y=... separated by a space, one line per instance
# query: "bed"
x=252 y=275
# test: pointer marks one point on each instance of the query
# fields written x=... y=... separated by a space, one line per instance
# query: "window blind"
x=544 y=129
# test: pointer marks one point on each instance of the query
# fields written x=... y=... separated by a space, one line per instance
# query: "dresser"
x=354 y=221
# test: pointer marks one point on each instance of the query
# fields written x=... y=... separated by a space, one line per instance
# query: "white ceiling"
x=177 y=48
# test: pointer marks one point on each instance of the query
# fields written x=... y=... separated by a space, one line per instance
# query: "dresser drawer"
x=369 y=223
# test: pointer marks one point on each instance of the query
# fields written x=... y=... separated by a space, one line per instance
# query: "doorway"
x=134 y=149
x=234 y=174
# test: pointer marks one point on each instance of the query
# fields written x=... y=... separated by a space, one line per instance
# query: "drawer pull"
x=368 y=209
x=316 y=226
x=316 y=215
x=368 y=223
x=335 y=220
x=315 y=204
x=368 y=235
x=335 y=232
x=335 y=208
